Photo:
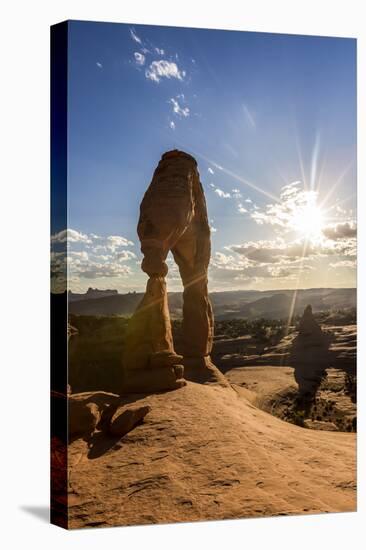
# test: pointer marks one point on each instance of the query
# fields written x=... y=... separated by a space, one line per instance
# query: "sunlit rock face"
x=173 y=217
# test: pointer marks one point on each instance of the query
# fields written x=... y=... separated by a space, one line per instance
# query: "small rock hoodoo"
x=310 y=353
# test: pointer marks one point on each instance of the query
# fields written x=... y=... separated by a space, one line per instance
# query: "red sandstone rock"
x=173 y=217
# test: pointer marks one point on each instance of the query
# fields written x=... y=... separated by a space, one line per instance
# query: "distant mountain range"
x=235 y=304
x=91 y=293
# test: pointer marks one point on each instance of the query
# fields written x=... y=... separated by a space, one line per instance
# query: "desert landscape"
x=203 y=277
x=173 y=416
x=252 y=447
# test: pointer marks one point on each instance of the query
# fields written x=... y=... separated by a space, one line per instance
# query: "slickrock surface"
x=205 y=452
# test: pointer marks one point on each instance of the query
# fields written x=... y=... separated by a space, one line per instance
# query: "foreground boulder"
x=126 y=418
x=86 y=411
x=83 y=418
x=103 y=412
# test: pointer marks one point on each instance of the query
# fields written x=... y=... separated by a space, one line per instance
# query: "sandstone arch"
x=173 y=217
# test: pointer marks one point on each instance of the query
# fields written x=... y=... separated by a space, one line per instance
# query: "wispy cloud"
x=99 y=65
x=210 y=171
x=163 y=69
x=135 y=37
x=159 y=51
x=249 y=116
x=172 y=124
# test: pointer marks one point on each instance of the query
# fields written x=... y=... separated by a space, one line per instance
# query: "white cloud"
x=221 y=260
x=135 y=37
x=139 y=58
x=159 y=51
x=71 y=236
x=290 y=254
x=126 y=255
x=82 y=255
x=210 y=171
x=163 y=69
x=284 y=213
x=99 y=65
x=89 y=256
x=222 y=193
x=345 y=230
x=241 y=208
x=95 y=270
x=115 y=241
x=177 y=108
x=256 y=260
x=172 y=124
x=277 y=251
x=345 y=263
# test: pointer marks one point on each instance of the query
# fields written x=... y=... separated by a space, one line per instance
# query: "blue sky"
x=271 y=120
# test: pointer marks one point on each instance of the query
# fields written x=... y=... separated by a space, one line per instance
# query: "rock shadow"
x=100 y=443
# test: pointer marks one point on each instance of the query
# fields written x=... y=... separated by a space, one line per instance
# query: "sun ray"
x=337 y=183
x=299 y=156
x=296 y=290
x=240 y=179
x=314 y=161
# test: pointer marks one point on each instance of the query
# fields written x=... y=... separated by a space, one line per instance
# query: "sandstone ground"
x=206 y=452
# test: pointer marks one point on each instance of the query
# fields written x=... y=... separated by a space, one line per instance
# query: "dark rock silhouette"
x=173 y=217
x=310 y=354
x=309 y=328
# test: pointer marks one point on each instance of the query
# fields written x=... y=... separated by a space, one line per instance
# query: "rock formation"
x=310 y=353
x=126 y=418
x=83 y=418
x=94 y=412
x=173 y=217
x=309 y=328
